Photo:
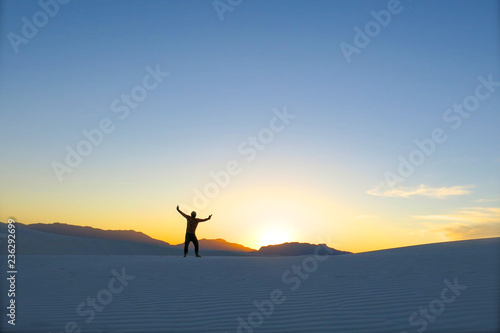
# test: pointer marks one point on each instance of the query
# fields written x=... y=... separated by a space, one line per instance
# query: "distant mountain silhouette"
x=90 y=232
x=128 y=235
x=220 y=244
x=31 y=242
x=295 y=249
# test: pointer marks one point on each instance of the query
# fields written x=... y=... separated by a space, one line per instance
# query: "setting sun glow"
x=274 y=237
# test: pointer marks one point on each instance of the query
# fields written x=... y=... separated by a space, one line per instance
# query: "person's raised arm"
x=203 y=220
x=180 y=211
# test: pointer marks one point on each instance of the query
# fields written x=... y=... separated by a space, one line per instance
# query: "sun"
x=274 y=237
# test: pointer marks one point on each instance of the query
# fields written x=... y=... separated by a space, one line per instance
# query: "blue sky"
x=225 y=78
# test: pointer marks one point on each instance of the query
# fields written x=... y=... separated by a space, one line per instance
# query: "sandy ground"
x=447 y=287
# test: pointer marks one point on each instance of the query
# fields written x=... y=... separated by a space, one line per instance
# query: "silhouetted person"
x=192 y=223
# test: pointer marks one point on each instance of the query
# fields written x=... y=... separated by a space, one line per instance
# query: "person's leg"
x=187 y=239
x=196 y=245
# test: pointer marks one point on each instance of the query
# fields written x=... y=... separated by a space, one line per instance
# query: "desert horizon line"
x=237 y=243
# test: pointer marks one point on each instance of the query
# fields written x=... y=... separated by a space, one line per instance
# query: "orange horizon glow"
x=279 y=237
x=256 y=215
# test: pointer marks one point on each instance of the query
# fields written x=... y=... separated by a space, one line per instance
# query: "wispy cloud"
x=486 y=200
x=472 y=222
x=406 y=192
x=469 y=214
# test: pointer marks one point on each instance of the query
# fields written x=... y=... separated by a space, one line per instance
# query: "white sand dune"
x=367 y=292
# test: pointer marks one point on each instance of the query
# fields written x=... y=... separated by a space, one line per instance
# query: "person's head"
x=193 y=214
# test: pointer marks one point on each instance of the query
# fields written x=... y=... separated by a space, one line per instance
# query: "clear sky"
x=304 y=109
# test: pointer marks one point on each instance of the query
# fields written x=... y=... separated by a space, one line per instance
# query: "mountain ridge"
x=91 y=232
x=220 y=244
x=297 y=249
